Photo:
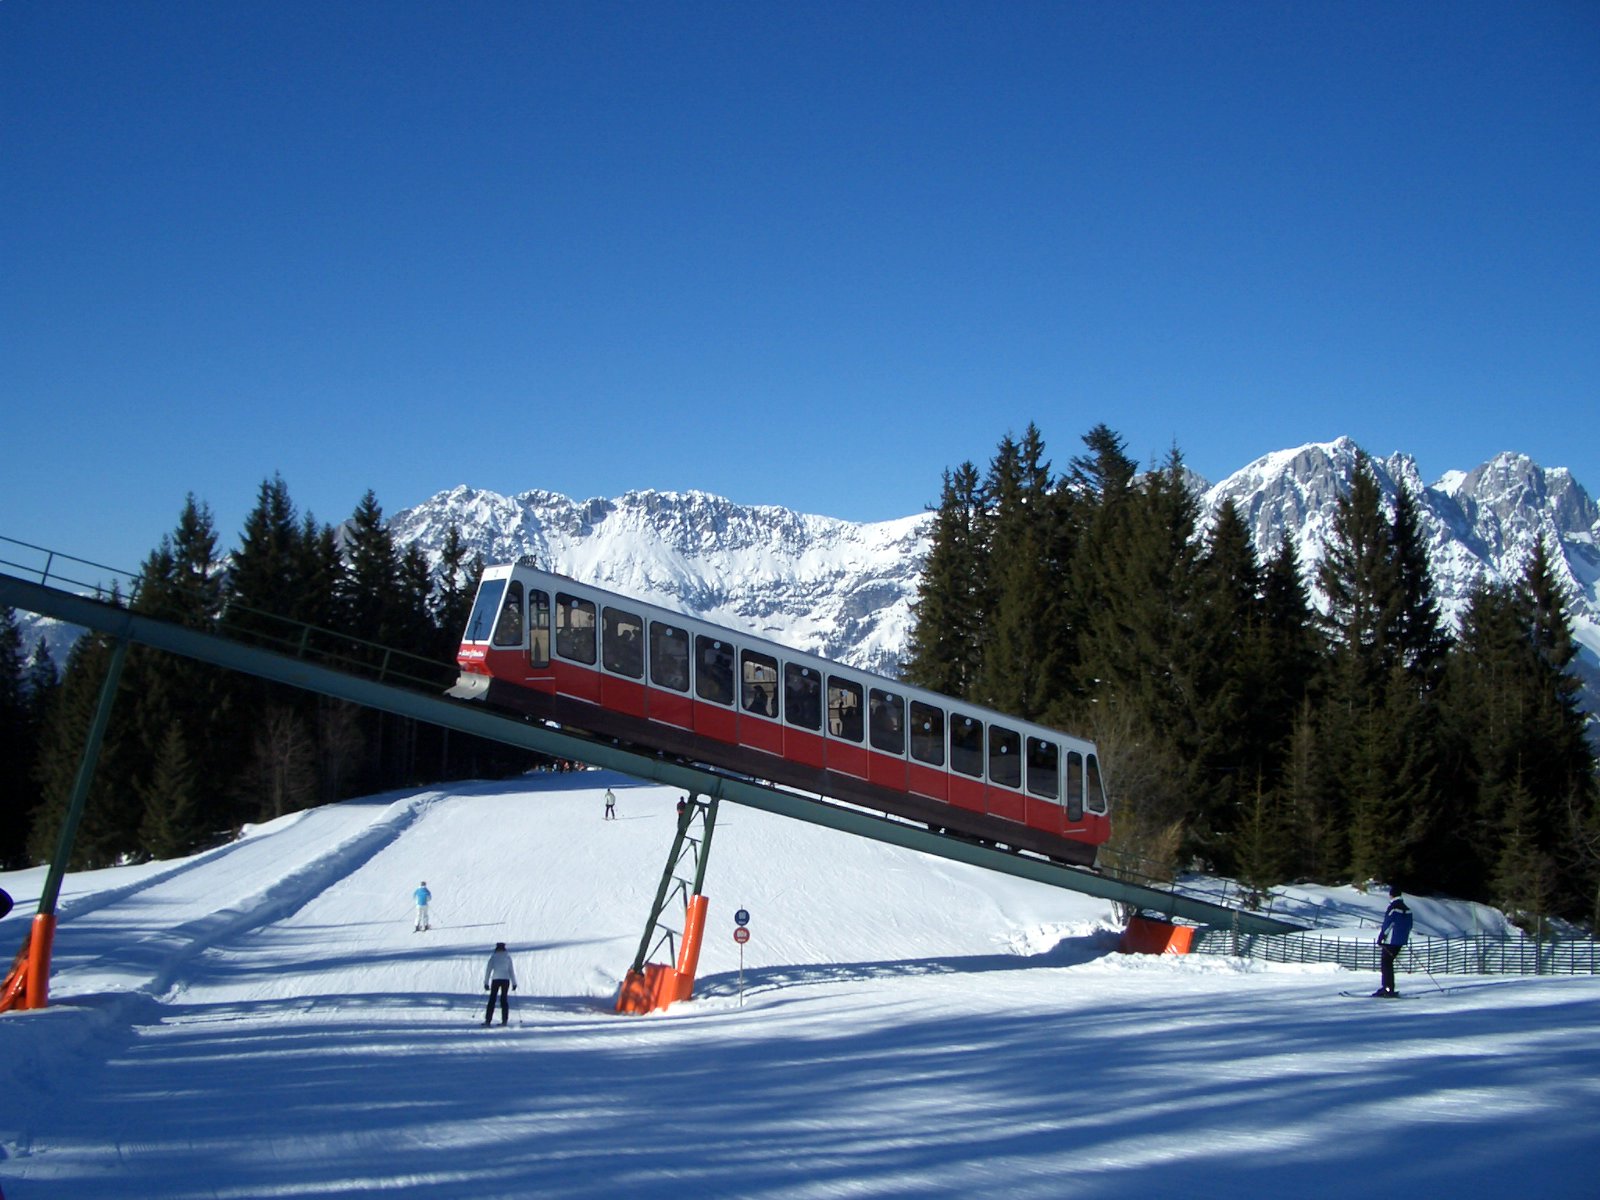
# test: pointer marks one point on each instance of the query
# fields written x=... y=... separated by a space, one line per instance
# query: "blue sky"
x=807 y=255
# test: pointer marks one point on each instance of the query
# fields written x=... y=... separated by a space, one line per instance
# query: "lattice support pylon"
x=651 y=986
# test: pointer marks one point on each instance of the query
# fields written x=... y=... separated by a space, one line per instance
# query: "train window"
x=1074 y=786
x=759 y=674
x=575 y=628
x=966 y=745
x=713 y=675
x=508 y=628
x=802 y=696
x=1097 y=791
x=927 y=733
x=1044 y=768
x=1005 y=757
x=844 y=708
x=669 y=657
x=886 y=721
x=538 y=628
x=622 y=642
x=484 y=610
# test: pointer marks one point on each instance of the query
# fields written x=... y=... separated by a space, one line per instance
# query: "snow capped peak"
x=822 y=584
x=844 y=589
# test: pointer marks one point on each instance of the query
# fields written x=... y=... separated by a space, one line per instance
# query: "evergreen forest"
x=1245 y=730
x=1242 y=729
x=194 y=752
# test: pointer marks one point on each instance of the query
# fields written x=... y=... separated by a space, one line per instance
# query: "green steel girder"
x=466 y=718
x=682 y=842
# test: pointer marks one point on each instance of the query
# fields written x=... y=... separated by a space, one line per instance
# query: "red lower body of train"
x=660 y=721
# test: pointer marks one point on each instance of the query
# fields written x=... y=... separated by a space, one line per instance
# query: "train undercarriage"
x=654 y=737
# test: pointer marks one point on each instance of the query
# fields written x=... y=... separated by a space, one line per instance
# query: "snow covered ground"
x=261 y=1021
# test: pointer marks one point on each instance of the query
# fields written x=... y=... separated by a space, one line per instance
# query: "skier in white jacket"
x=498 y=976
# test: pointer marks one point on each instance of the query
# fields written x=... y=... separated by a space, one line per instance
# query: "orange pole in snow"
x=44 y=932
x=694 y=927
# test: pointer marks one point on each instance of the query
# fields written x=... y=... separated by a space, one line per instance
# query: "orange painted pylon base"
x=28 y=983
x=656 y=985
x=1145 y=935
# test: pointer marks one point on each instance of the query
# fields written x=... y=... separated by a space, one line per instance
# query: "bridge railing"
x=1478 y=954
x=299 y=639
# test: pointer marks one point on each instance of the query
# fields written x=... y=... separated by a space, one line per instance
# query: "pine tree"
x=109 y=827
x=1416 y=628
x=183 y=581
x=18 y=740
x=267 y=579
x=1518 y=731
x=172 y=825
x=1136 y=576
x=944 y=650
x=1087 y=509
x=1015 y=670
x=1357 y=575
x=1379 y=732
x=1220 y=637
x=369 y=584
x=1483 y=700
x=1525 y=876
x=458 y=580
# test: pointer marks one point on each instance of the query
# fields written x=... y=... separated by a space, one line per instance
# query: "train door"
x=575 y=656
x=844 y=749
x=713 y=689
x=886 y=735
x=622 y=656
x=758 y=702
x=966 y=762
x=925 y=773
x=802 y=715
x=1043 y=779
x=1003 y=796
x=667 y=698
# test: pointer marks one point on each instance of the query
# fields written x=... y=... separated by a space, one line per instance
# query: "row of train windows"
x=753 y=680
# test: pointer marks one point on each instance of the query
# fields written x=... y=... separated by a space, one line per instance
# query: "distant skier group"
x=499 y=974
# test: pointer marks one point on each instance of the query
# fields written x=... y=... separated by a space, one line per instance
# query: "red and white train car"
x=558 y=650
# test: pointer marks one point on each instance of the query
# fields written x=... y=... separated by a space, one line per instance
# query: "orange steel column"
x=694 y=927
x=38 y=987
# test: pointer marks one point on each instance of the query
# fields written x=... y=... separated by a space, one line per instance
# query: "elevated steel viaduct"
x=28 y=985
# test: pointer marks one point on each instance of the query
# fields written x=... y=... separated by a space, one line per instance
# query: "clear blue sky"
x=807 y=254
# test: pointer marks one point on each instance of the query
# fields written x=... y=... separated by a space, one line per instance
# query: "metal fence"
x=1481 y=954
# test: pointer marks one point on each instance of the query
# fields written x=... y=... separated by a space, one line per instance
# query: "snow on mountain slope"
x=834 y=587
x=846 y=590
x=261 y=1021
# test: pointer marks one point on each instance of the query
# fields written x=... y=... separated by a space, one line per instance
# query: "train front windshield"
x=484 y=611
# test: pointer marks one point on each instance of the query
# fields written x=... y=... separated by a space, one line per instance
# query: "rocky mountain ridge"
x=845 y=590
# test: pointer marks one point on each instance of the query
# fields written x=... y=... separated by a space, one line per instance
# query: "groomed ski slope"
x=261 y=1021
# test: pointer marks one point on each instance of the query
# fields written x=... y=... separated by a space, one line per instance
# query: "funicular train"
x=552 y=648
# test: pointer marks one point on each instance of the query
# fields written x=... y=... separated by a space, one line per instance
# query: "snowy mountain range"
x=845 y=590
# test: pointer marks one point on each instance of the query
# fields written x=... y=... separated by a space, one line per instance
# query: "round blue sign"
x=742 y=917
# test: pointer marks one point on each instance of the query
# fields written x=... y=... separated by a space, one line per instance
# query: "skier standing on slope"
x=1392 y=938
x=611 y=806
x=423 y=895
x=498 y=975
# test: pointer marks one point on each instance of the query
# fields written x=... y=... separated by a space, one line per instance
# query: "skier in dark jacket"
x=1392 y=938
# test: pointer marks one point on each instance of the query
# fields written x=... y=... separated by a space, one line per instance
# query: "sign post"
x=741 y=935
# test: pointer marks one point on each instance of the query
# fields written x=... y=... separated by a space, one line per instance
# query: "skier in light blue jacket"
x=423 y=895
